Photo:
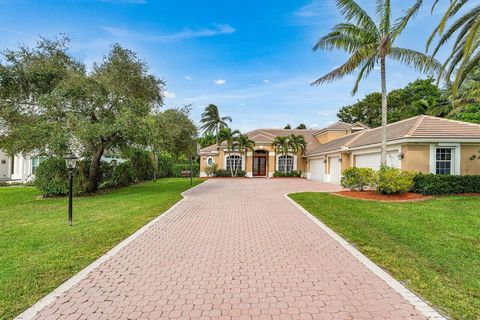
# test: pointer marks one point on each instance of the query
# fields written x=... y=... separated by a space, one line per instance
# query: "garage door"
x=372 y=160
x=317 y=169
x=335 y=169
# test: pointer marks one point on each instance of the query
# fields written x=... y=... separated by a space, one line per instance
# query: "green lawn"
x=432 y=246
x=39 y=251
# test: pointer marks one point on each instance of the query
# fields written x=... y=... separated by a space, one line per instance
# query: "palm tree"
x=243 y=144
x=465 y=55
x=212 y=121
x=370 y=42
x=230 y=137
x=281 y=144
x=298 y=143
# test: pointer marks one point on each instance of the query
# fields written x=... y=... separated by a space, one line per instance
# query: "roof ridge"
x=266 y=133
x=358 y=135
x=453 y=120
x=415 y=126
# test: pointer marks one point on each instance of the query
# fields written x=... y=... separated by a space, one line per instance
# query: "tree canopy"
x=51 y=105
x=402 y=104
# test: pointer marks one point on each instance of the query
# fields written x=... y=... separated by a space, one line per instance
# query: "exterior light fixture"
x=401 y=156
x=340 y=160
x=71 y=163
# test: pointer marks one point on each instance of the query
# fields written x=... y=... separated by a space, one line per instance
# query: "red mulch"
x=372 y=195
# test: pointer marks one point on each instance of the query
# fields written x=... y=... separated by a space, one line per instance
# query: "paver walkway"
x=233 y=249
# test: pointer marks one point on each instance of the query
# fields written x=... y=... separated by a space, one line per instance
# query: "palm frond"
x=384 y=13
x=415 y=59
x=364 y=53
x=464 y=69
x=368 y=66
x=352 y=11
x=401 y=23
x=335 y=40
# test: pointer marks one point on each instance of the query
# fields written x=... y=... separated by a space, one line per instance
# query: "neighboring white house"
x=22 y=169
x=17 y=168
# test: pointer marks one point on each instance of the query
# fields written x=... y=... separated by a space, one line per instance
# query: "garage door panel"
x=335 y=169
x=373 y=160
x=317 y=169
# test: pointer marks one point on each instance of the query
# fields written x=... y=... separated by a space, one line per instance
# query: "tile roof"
x=417 y=127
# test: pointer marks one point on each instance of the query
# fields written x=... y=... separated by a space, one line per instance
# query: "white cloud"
x=314 y=125
x=170 y=94
x=312 y=9
x=330 y=122
x=322 y=114
x=187 y=33
x=266 y=81
x=242 y=104
x=220 y=81
x=188 y=78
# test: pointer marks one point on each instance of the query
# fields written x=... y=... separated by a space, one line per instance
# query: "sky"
x=253 y=59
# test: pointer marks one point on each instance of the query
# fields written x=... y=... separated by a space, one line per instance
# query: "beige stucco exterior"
x=468 y=165
x=329 y=136
x=416 y=157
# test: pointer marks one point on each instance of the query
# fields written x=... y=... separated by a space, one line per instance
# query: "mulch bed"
x=372 y=195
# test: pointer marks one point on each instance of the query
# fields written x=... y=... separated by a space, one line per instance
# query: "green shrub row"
x=51 y=177
x=384 y=181
x=436 y=184
x=227 y=173
x=292 y=173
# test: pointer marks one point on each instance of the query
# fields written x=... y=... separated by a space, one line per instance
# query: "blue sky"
x=251 y=58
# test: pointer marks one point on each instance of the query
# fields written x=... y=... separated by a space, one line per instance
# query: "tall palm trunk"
x=384 y=113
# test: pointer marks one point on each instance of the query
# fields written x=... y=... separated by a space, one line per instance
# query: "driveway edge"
x=415 y=300
x=33 y=310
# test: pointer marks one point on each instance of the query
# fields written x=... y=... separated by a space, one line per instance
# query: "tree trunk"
x=383 y=159
x=92 y=183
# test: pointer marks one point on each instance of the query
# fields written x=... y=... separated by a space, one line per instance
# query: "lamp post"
x=71 y=163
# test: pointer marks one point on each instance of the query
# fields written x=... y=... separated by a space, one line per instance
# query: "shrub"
x=394 y=180
x=179 y=167
x=293 y=173
x=210 y=170
x=358 y=178
x=143 y=165
x=432 y=184
x=123 y=175
x=51 y=178
x=227 y=173
x=165 y=165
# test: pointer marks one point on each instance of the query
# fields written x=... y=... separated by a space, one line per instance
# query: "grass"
x=39 y=251
x=432 y=246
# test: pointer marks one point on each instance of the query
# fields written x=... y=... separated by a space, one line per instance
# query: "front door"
x=259 y=166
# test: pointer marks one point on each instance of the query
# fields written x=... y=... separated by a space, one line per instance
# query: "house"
x=19 y=168
x=424 y=144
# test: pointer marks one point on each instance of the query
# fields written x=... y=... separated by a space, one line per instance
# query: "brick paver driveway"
x=234 y=249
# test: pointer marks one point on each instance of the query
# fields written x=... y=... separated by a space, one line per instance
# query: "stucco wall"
x=346 y=163
x=416 y=158
x=329 y=136
x=468 y=166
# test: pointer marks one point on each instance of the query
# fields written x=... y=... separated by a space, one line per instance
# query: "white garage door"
x=335 y=169
x=372 y=160
x=317 y=169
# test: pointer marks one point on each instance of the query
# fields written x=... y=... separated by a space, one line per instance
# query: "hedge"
x=438 y=184
x=227 y=173
x=177 y=169
x=51 y=178
x=293 y=173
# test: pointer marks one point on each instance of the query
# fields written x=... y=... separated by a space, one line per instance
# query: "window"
x=234 y=162
x=285 y=163
x=444 y=160
x=35 y=163
x=210 y=162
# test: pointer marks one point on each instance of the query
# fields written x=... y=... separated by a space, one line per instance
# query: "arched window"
x=285 y=163
x=234 y=162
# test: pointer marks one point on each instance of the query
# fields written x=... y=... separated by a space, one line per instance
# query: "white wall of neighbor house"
x=18 y=167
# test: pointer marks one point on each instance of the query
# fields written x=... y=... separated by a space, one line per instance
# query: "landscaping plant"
x=394 y=180
x=359 y=178
x=438 y=184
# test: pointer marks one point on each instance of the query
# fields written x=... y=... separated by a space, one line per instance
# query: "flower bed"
x=373 y=195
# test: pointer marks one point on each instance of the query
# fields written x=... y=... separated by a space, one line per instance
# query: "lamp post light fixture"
x=71 y=163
